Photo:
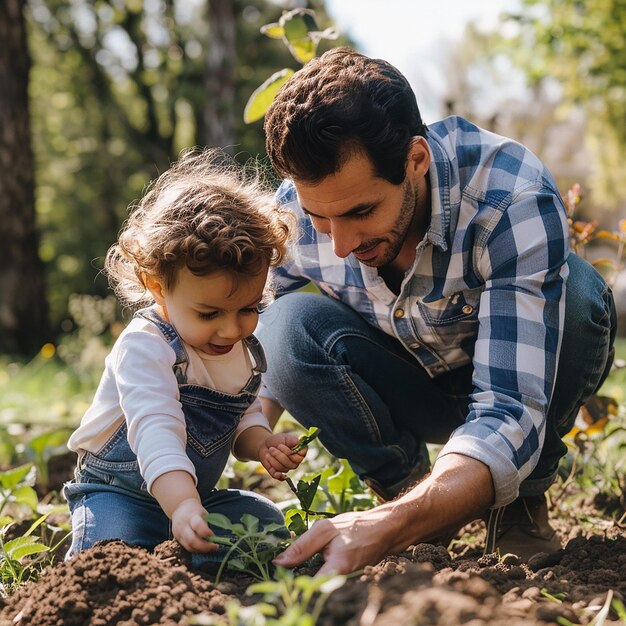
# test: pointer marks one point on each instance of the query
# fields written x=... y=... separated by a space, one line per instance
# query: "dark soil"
x=118 y=584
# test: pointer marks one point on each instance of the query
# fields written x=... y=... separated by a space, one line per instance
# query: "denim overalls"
x=108 y=497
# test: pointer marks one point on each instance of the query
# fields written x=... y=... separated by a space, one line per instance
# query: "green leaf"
x=271 y=528
x=297 y=23
x=12 y=477
x=20 y=547
x=296 y=521
x=222 y=541
x=219 y=520
x=47 y=442
x=341 y=481
x=307 y=438
x=267 y=586
x=306 y=491
x=302 y=50
x=264 y=95
x=250 y=522
x=26 y=495
x=236 y=564
x=275 y=30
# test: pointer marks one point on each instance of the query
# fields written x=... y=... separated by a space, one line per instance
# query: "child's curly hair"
x=203 y=213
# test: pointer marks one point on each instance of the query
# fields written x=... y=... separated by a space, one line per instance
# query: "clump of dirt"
x=117 y=584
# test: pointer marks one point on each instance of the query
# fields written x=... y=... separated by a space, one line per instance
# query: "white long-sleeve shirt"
x=138 y=385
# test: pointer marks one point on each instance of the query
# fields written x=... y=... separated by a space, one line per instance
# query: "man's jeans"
x=376 y=405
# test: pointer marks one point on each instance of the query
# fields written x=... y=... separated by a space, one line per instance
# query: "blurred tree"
x=23 y=306
x=215 y=119
x=483 y=85
x=583 y=46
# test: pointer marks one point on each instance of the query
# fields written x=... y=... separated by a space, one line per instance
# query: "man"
x=444 y=251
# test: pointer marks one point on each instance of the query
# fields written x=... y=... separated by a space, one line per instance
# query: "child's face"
x=208 y=312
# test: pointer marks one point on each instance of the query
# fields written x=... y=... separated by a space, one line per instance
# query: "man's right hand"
x=347 y=542
x=457 y=491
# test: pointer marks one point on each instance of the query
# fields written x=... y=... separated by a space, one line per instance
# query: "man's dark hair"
x=336 y=105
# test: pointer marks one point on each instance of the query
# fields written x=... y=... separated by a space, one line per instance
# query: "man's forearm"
x=458 y=490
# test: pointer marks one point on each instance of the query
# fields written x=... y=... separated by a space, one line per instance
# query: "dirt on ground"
x=114 y=583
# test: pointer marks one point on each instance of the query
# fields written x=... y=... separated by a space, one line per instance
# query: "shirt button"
x=398 y=313
x=414 y=346
x=467 y=309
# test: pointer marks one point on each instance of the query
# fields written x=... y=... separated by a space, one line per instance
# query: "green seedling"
x=300 y=599
x=298 y=520
x=289 y=600
x=251 y=547
x=304 y=440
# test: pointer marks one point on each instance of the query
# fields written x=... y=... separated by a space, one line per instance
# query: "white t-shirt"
x=139 y=385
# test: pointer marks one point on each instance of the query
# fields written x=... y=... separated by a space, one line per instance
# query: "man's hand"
x=347 y=542
x=458 y=490
x=190 y=528
x=277 y=456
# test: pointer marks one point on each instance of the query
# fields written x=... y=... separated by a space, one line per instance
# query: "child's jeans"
x=102 y=512
x=108 y=497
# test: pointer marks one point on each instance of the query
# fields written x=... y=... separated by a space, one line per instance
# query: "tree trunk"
x=23 y=305
x=215 y=127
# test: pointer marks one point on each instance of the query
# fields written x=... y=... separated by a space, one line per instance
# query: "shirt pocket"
x=454 y=319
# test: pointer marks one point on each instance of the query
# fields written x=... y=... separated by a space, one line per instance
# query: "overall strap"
x=257 y=352
x=172 y=338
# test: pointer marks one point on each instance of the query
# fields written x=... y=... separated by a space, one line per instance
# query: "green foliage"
x=311 y=435
x=263 y=95
x=582 y=46
x=289 y=600
x=299 y=32
x=42 y=391
x=57 y=385
x=251 y=547
x=23 y=556
x=336 y=489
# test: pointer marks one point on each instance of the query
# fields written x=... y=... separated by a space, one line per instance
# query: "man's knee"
x=300 y=326
x=587 y=347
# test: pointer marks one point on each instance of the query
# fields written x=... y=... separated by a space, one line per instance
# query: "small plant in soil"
x=289 y=600
x=299 y=599
x=251 y=547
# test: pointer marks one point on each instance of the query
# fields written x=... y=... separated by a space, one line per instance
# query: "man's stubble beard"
x=400 y=230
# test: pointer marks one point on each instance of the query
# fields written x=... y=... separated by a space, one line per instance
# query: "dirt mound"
x=118 y=584
x=429 y=587
x=114 y=584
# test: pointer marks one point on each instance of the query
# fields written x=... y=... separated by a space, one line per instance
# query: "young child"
x=179 y=390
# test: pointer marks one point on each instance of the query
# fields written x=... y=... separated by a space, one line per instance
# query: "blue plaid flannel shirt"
x=487 y=287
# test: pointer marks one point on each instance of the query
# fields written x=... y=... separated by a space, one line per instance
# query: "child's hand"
x=190 y=529
x=277 y=456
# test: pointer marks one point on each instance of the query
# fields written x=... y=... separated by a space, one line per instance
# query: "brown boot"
x=521 y=528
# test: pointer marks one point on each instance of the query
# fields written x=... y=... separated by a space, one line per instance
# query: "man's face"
x=363 y=214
